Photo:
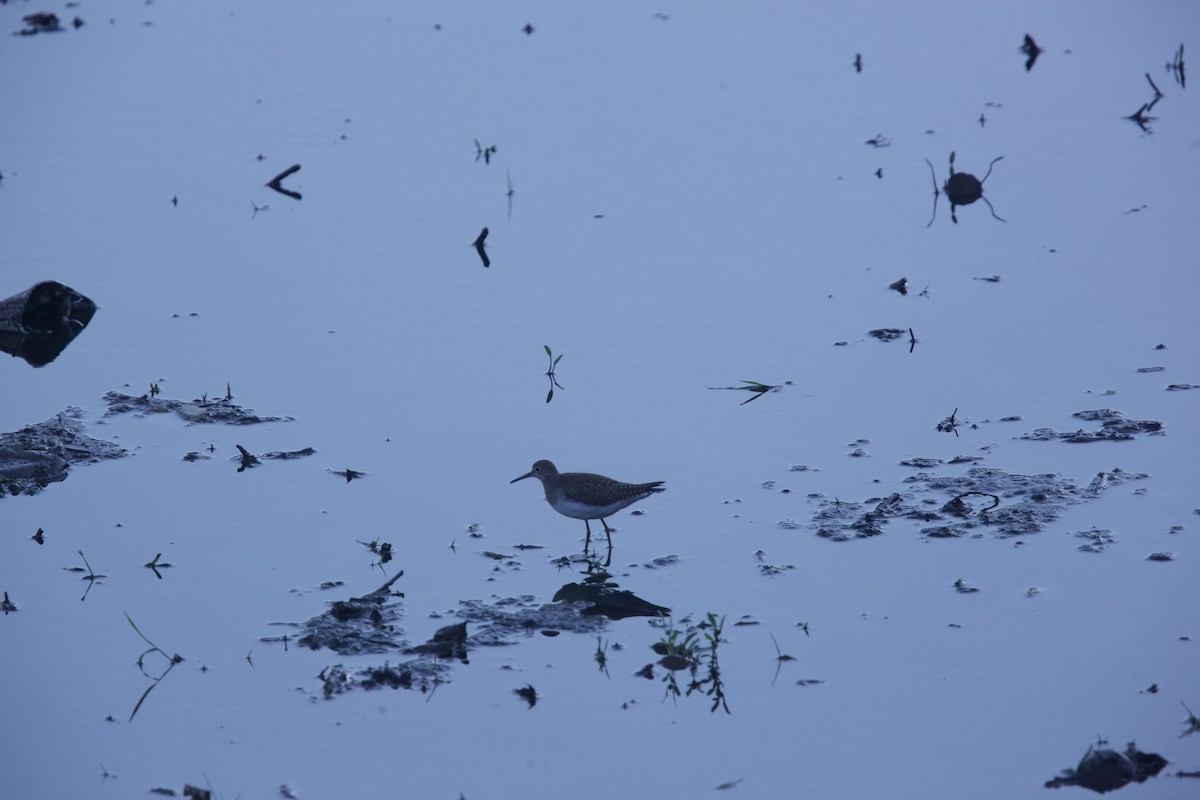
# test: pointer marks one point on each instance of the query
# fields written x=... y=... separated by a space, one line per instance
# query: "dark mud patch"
x=1001 y=503
x=39 y=323
x=371 y=625
x=1114 y=427
x=607 y=601
x=246 y=459
x=359 y=625
x=888 y=334
x=41 y=454
x=1102 y=769
x=197 y=411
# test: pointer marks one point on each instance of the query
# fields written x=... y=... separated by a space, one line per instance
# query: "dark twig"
x=478 y=245
x=248 y=458
x=275 y=183
x=1030 y=48
x=387 y=586
x=1157 y=93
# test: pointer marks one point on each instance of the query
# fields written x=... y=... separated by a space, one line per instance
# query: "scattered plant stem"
x=91 y=577
x=780 y=658
x=684 y=649
x=602 y=656
x=171 y=662
x=155 y=565
x=276 y=182
x=554 y=384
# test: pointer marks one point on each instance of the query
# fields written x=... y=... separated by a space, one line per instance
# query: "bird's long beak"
x=523 y=477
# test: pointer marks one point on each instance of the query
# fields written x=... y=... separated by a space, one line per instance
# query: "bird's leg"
x=588 y=540
x=607 y=532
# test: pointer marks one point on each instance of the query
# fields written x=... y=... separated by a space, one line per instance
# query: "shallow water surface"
x=694 y=204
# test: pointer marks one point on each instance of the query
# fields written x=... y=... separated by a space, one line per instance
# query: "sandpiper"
x=582 y=495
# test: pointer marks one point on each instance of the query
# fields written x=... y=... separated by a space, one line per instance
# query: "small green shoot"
x=553 y=361
x=154 y=390
x=91 y=577
x=690 y=649
x=554 y=384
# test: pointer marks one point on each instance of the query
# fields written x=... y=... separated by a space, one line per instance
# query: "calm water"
x=694 y=204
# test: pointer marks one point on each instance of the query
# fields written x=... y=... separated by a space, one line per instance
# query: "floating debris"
x=607 y=601
x=248 y=459
x=528 y=694
x=921 y=463
x=962 y=189
x=276 y=183
x=1021 y=504
x=42 y=22
x=41 y=454
x=478 y=245
x=202 y=410
x=759 y=389
x=887 y=334
x=1114 y=428
x=1103 y=770
x=1099 y=540
x=485 y=153
x=371 y=624
x=448 y=642
x=39 y=323
x=1030 y=48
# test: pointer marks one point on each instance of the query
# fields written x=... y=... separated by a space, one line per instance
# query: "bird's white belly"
x=576 y=510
